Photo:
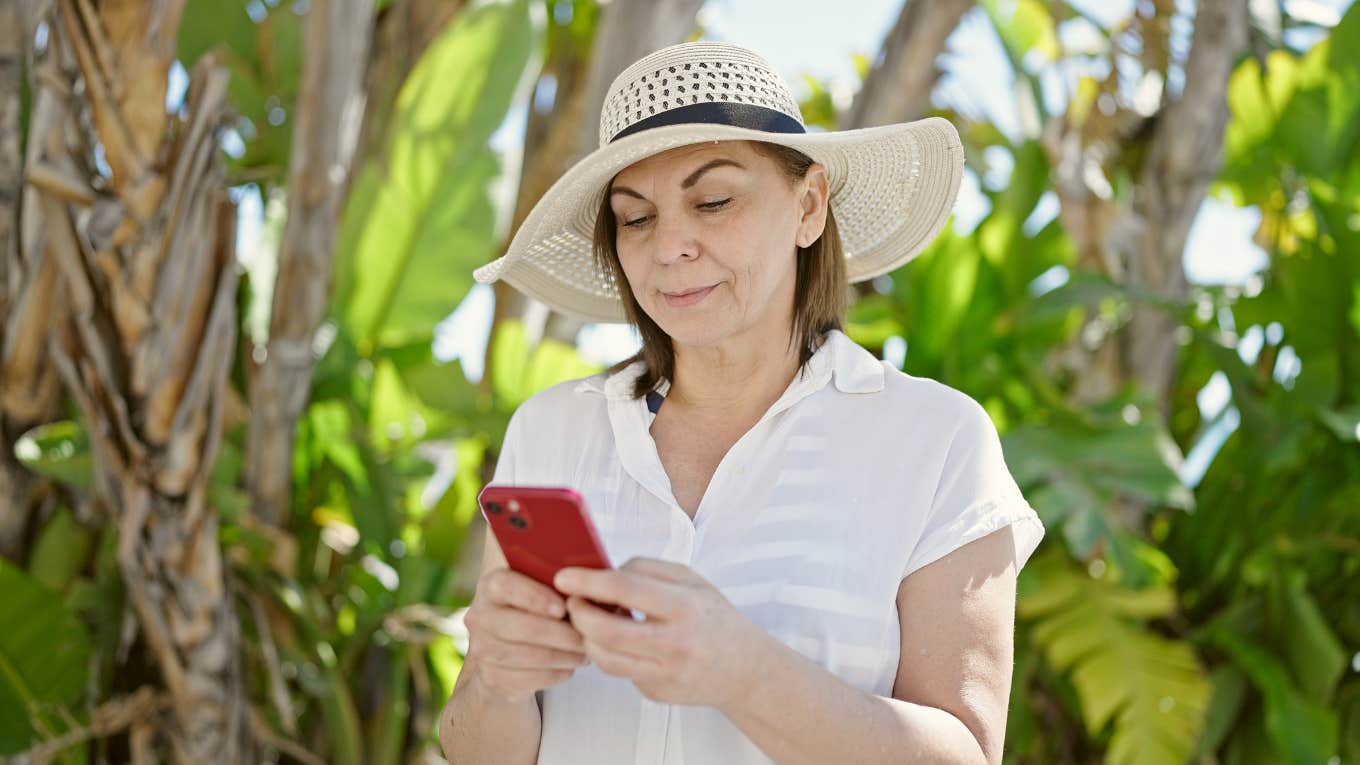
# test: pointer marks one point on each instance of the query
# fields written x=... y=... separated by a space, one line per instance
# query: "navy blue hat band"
x=719 y=113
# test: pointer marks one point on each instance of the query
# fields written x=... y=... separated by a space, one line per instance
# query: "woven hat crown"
x=689 y=74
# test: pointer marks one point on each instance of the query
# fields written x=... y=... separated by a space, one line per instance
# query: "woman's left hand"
x=695 y=647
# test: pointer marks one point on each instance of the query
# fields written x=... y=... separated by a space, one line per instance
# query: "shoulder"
x=966 y=443
x=569 y=400
x=933 y=406
x=877 y=389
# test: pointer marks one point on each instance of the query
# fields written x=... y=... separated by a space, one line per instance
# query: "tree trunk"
x=144 y=252
x=1185 y=155
x=1141 y=241
x=329 y=107
x=898 y=87
x=29 y=388
x=13 y=48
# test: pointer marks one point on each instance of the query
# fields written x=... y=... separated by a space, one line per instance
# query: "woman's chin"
x=697 y=332
x=707 y=323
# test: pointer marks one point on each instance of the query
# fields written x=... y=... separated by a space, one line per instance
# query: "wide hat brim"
x=892 y=188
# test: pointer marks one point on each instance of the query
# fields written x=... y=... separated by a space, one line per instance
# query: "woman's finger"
x=516 y=626
x=525 y=657
x=510 y=588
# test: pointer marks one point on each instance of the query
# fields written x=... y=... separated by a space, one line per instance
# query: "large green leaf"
x=1312 y=650
x=441 y=395
x=1078 y=473
x=1249 y=155
x=1229 y=691
x=1150 y=688
x=521 y=372
x=419 y=217
x=446 y=525
x=336 y=436
x=872 y=320
x=1000 y=236
x=44 y=660
x=397 y=419
x=60 y=551
x=1086 y=289
x=1137 y=460
x=1320 y=126
x=1300 y=730
x=933 y=295
x=1301 y=113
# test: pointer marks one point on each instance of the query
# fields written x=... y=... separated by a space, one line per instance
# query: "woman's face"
x=708 y=234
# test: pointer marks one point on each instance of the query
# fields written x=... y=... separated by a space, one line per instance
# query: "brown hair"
x=819 y=293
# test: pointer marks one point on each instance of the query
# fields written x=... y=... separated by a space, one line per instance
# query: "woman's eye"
x=715 y=205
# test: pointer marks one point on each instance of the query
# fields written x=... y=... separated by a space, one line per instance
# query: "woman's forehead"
x=685 y=157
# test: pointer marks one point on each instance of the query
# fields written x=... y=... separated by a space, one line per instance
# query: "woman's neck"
x=734 y=378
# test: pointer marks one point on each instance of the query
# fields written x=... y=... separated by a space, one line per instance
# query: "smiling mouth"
x=688 y=297
x=687 y=292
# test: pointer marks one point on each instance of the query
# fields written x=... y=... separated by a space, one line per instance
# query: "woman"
x=824 y=548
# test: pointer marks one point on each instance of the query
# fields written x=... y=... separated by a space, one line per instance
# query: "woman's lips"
x=683 y=299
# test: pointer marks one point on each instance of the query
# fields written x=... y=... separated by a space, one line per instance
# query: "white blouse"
x=808 y=526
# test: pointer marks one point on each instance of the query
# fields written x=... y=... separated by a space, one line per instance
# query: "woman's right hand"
x=518 y=640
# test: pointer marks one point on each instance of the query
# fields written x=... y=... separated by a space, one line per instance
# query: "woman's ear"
x=813 y=203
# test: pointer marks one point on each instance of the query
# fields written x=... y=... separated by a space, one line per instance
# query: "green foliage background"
x=1220 y=626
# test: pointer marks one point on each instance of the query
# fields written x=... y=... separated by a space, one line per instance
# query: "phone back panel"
x=542 y=529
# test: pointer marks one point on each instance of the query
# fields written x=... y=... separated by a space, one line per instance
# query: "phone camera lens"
x=494 y=508
x=518 y=522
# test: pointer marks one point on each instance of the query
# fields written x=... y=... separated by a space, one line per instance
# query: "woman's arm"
x=952 y=690
x=478 y=727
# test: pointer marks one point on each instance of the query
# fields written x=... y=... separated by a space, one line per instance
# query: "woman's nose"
x=674 y=240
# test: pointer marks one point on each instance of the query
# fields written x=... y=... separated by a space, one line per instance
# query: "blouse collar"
x=839 y=359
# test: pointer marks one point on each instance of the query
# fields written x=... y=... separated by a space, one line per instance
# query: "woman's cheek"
x=635 y=271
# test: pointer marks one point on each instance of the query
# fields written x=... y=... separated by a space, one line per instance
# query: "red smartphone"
x=541 y=529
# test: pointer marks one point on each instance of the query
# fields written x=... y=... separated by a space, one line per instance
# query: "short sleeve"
x=976 y=495
x=510 y=447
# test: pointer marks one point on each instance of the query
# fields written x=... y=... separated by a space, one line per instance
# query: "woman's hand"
x=695 y=647
x=517 y=638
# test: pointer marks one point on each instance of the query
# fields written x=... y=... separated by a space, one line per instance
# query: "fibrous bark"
x=143 y=248
x=329 y=108
x=29 y=387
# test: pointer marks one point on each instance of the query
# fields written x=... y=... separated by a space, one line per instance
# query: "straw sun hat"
x=892 y=187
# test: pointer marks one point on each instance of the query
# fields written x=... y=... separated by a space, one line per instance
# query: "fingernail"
x=556 y=610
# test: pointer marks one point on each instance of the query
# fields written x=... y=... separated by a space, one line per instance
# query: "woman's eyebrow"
x=692 y=179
